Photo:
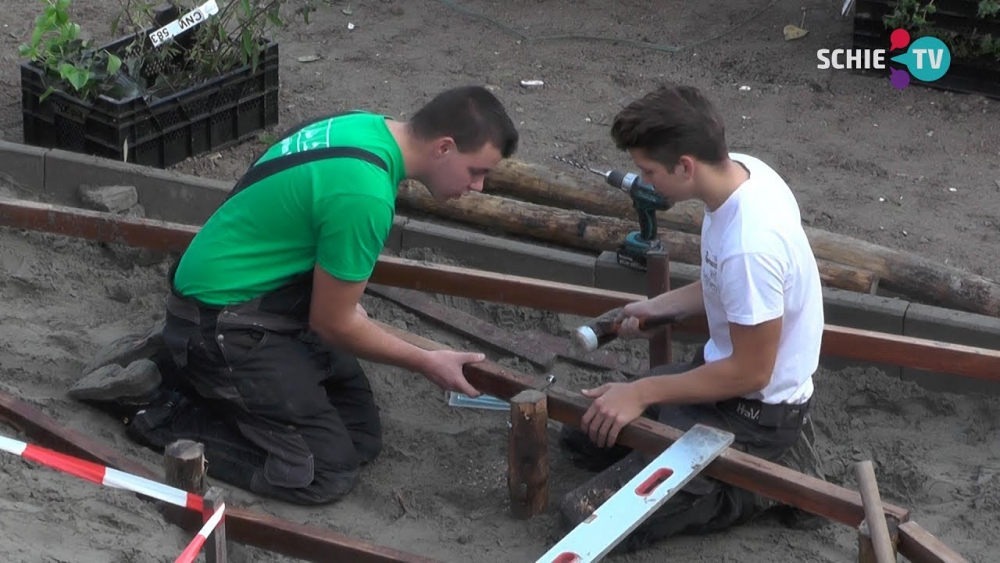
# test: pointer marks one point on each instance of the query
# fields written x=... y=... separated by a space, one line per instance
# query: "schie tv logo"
x=927 y=59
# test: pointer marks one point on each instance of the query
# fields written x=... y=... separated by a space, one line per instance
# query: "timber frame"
x=779 y=483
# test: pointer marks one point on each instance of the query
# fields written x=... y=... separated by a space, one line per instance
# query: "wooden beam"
x=470 y=326
x=844 y=342
x=734 y=467
x=919 y=546
x=96 y=225
x=251 y=528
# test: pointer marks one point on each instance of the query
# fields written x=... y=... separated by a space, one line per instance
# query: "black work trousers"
x=279 y=412
x=704 y=505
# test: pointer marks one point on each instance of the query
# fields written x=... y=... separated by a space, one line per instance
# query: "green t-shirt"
x=336 y=212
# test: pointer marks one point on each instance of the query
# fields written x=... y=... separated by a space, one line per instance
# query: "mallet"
x=604 y=329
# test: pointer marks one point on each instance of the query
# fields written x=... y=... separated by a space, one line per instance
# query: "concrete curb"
x=56 y=176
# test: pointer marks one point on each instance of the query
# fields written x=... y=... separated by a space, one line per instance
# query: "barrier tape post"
x=215 y=552
x=193 y=548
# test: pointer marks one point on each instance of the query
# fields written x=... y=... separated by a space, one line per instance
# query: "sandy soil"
x=63 y=299
x=841 y=140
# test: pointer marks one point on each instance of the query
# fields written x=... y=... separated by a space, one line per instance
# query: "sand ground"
x=841 y=140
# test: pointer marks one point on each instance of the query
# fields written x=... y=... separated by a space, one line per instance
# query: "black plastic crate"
x=970 y=76
x=209 y=116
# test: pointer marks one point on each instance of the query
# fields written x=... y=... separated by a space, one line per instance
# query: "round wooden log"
x=866 y=549
x=903 y=272
x=583 y=231
x=528 y=454
x=845 y=277
x=874 y=513
x=184 y=466
x=533 y=183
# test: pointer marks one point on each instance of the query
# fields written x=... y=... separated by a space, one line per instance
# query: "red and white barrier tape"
x=102 y=475
x=194 y=548
x=114 y=478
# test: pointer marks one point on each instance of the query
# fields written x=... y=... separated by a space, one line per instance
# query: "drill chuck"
x=622 y=180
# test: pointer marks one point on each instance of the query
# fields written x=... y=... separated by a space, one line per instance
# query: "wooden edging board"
x=734 y=467
x=843 y=342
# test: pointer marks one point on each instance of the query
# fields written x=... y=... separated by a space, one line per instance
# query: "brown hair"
x=471 y=115
x=670 y=122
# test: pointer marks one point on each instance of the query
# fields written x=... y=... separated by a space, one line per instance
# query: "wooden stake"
x=183 y=468
x=874 y=513
x=658 y=282
x=215 y=544
x=866 y=548
x=528 y=454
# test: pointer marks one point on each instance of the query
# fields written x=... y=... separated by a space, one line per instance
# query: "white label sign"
x=184 y=23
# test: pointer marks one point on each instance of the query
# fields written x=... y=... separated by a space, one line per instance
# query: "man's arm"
x=752 y=293
x=334 y=317
x=682 y=302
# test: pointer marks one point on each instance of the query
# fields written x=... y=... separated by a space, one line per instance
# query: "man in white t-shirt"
x=760 y=291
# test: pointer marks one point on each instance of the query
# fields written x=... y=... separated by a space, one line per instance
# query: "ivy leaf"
x=48 y=91
x=77 y=77
x=114 y=63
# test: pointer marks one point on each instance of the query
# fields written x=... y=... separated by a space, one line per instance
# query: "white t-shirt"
x=757 y=265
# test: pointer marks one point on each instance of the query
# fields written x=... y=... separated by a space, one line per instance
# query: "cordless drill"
x=646 y=202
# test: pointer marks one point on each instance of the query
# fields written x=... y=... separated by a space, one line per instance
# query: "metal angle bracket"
x=641 y=496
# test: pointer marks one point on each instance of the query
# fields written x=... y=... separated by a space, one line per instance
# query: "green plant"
x=56 y=46
x=910 y=15
x=232 y=38
x=987 y=8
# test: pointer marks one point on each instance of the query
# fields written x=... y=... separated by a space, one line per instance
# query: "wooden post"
x=215 y=544
x=528 y=454
x=866 y=549
x=874 y=514
x=183 y=468
x=658 y=282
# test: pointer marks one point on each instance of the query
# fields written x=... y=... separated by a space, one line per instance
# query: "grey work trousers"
x=705 y=505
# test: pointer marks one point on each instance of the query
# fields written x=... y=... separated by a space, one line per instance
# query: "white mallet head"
x=586 y=338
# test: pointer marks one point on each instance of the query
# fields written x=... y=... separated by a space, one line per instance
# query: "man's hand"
x=444 y=368
x=614 y=407
x=678 y=303
x=630 y=316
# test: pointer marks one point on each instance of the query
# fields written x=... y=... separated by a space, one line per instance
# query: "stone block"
x=22 y=166
x=609 y=274
x=866 y=312
x=110 y=199
x=165 y=195
x=477 y=250
x=954 y=327
x=394 y=242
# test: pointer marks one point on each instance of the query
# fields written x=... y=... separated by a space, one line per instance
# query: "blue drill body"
x=646 y=202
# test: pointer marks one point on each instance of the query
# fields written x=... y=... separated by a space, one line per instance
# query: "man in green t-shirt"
x=264 y=326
